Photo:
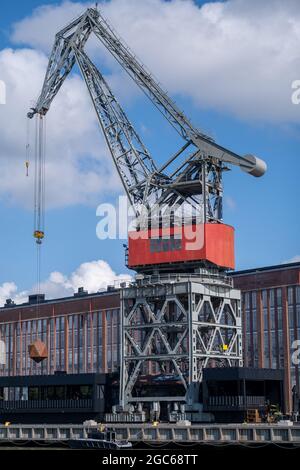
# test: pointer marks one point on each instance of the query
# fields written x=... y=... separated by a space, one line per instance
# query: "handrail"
x=236 y=400
x=45 y=404
x=202 y=275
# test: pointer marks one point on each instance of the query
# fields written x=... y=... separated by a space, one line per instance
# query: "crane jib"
x=191 y=178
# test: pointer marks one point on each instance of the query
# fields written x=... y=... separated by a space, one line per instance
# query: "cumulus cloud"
x=9 y=290
x=78 y=167
x=94 y=276
x=237 y=56
x=38 y=29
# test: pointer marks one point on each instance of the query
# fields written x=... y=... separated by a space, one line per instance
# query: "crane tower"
x=181 y=313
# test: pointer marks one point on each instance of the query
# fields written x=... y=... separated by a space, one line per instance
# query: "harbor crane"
x=182 y=314
x=191 y=177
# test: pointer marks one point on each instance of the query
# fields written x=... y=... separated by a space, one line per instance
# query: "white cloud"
x=78 y=168
x=294 y=259
x=230 y=202
x=94 y=276
x=7 y=290
x=237 y=56
x=38 y=29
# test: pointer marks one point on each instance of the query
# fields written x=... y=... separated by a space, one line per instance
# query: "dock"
x=162 y=433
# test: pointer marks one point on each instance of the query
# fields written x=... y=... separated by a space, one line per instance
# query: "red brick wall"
x=60 y=307
x=265 y=279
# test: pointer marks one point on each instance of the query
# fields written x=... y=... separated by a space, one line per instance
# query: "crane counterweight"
x=257 y=168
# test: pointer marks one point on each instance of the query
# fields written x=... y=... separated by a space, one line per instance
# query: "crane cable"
x=28 y=149
x=39 y=197
x=39 y=180
x=37 y=348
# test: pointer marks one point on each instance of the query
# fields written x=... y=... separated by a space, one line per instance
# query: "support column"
x=91 y=365
x=243 y=322
x=84 y=343
x=269 y=328
x=48 y=346
x=122 y=353
x=25 y=347
x=260 y=329
x=287 y=354
x=296 y=336
x=104 y=343
x=66 y=336
x=30 y=342
x=73 y=344
x=14 y=326
x=54 y=340
x=21 y=345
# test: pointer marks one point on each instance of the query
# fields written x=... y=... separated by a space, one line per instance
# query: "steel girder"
x=134 y=164
x=175 y=330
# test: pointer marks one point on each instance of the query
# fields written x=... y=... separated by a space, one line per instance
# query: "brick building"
x=81 y=333
x=271 y=319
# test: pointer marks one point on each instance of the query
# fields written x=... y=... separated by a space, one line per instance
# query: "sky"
x=229 y=65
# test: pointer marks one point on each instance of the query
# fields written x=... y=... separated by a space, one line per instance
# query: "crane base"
x=171 y=329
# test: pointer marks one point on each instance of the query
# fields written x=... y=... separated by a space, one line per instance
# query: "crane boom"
x=93 y=21
x=165 y=104
x=135 y=166
x=191 y=178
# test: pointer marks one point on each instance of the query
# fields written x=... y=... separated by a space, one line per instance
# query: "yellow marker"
x=155 y=424
x=7 y=423
x=39 y=235
x=225 y=347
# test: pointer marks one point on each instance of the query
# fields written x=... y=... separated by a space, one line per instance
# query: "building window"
x=297 y=295
x=272 y=297
x=290 y=295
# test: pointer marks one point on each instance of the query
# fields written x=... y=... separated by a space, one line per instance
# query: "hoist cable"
x=39 y=200
x=27 y=156
x=35 y=170
x=44 y=172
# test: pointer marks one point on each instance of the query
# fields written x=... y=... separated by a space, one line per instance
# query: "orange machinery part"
x=202 y=242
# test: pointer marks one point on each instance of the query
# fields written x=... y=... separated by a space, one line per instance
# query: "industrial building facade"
x=82 y=332
x=271 y=319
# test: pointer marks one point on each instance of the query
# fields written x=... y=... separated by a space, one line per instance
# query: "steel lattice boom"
x=197 y=179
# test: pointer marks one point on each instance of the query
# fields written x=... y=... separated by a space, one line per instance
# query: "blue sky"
x=263 y=211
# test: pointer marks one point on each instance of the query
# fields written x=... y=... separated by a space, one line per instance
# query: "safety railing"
x=204 y=276
x=13 y=405
x=236 y=401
